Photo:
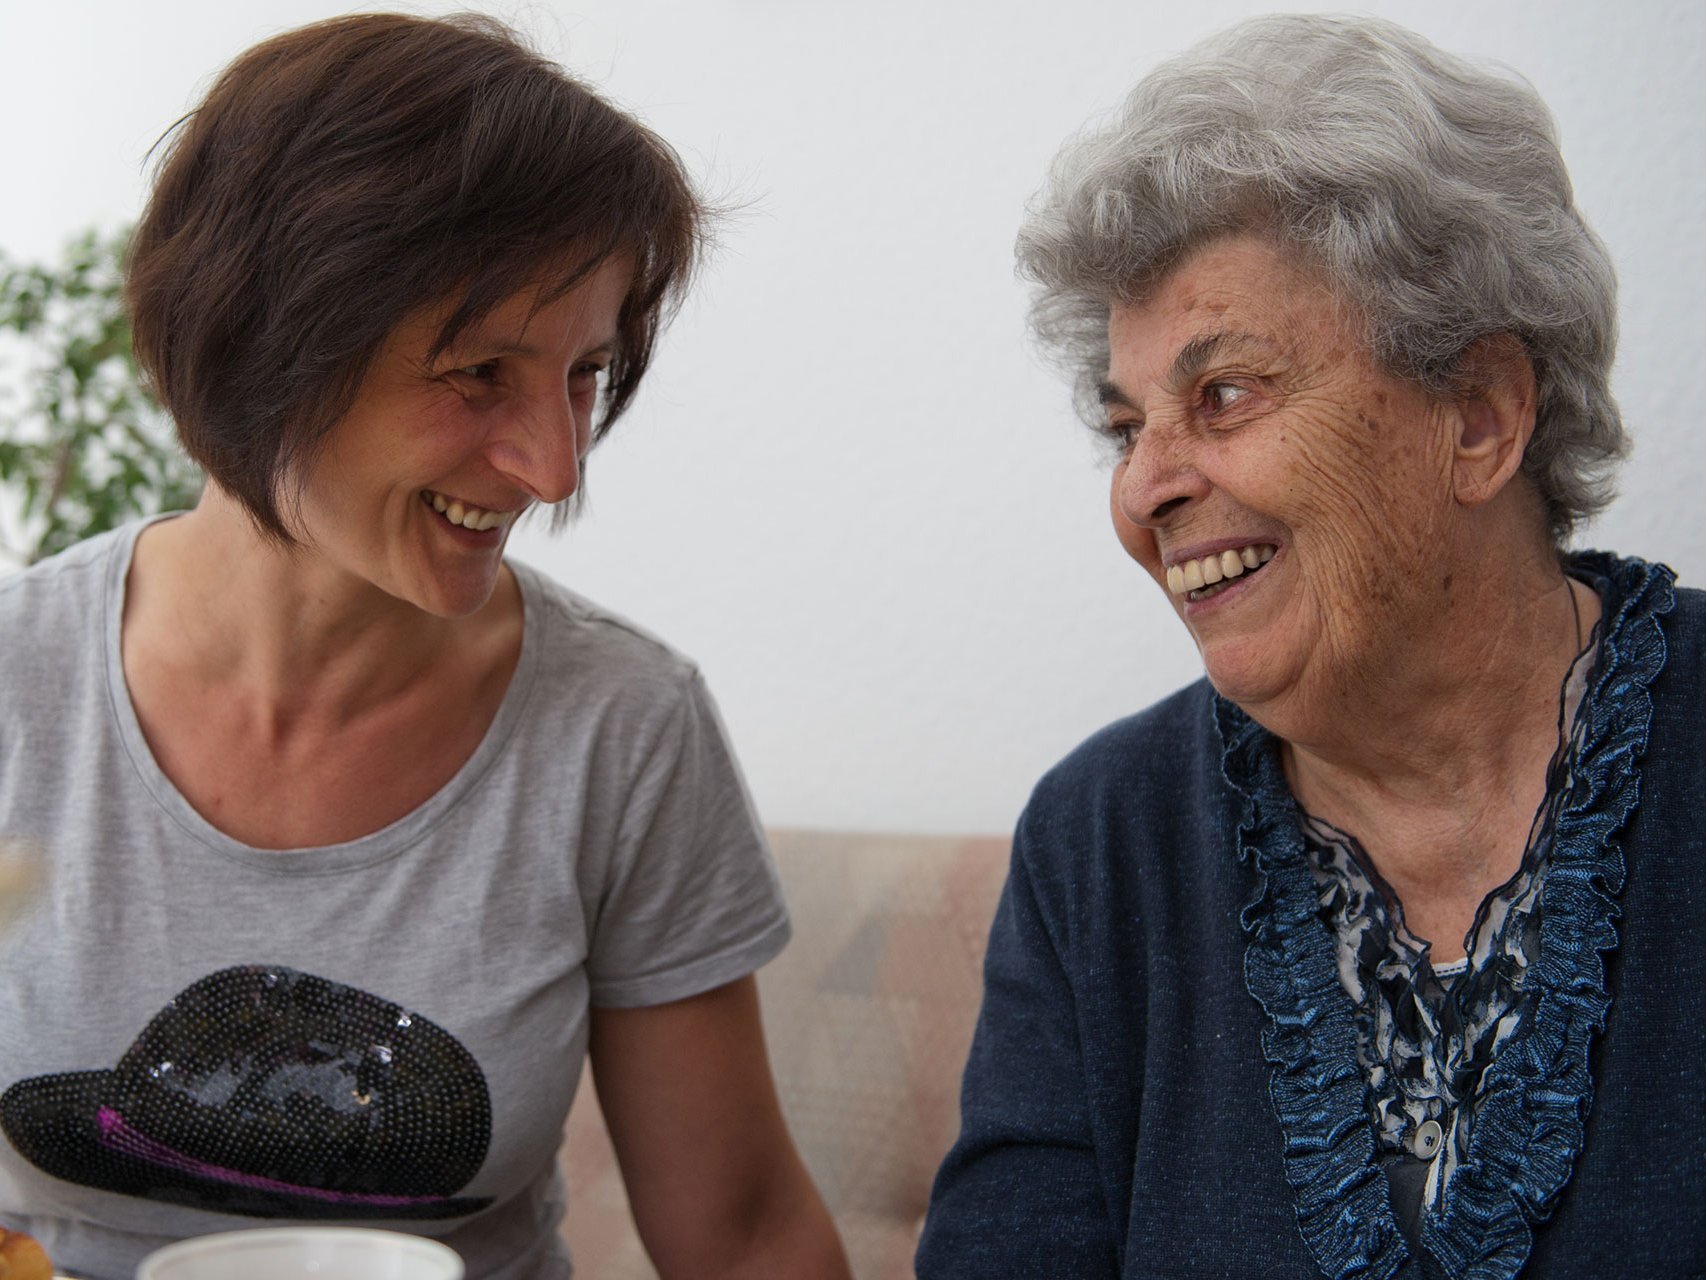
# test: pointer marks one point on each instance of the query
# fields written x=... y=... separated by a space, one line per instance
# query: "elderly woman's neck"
x=1475 y=683
x=1437 y=761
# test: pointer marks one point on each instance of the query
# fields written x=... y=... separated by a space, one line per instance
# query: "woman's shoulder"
x=54 y=626
x=571 y=628
x=1137 y=824
x=1688 y=620
x=1149 y=781
x=1655 y=628
x=1172 y=738
x=51 y=602
x=586 y=665
x=78 y=571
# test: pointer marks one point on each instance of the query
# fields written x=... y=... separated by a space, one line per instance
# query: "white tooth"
x=1230 y=565
x=491 y=520
x=1249 y=557
x=1267 y=554
x=1176 y=580
x=438 y=503
x=455 y=511
x=471 y=518
x=1211 y=573
x=1193 y=575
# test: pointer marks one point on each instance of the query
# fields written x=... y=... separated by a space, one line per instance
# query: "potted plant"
x=83 y=446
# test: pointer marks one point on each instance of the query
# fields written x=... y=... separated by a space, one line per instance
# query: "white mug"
x=297 y=1253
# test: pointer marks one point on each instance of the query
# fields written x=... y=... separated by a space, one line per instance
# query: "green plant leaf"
x=84 y=447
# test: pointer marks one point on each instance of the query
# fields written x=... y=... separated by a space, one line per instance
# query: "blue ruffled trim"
x=1343 y=1208
x=1535 y=1098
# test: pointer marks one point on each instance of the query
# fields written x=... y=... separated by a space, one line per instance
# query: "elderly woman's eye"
x=484 y=371
x=1122 y=434
x=1223 y=395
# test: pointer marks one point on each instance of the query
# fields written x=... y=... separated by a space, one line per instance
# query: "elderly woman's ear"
x=1495 y=417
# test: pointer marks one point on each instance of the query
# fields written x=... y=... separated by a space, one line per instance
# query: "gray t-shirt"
x=198 y=1036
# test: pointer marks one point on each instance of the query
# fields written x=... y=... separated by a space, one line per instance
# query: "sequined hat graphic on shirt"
x=270 y=1093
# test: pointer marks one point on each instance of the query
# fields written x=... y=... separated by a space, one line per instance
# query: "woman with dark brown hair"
x=360 y=837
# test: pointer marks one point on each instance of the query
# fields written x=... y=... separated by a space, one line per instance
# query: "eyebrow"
x=1107 y=393
x=475 y=343
x=1195 y=356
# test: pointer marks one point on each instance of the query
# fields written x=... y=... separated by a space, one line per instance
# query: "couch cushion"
x=868 y=1015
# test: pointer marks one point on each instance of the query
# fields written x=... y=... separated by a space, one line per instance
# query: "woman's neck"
x=1454 y=717
x=289 y=705
x=1437 y=762
x=207 y=592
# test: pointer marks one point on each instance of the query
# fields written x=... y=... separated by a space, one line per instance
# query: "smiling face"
x=421 y=481
x=1293 y=498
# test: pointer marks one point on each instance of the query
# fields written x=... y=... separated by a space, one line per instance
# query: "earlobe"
x=1494 y=417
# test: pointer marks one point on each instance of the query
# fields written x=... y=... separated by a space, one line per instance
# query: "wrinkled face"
x=1290 y=495
x=422 y=480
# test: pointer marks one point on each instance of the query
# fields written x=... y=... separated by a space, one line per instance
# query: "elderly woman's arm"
x=716 y=1186
x=1020 y=1194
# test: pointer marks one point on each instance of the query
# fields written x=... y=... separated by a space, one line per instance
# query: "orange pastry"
x=21 y=1258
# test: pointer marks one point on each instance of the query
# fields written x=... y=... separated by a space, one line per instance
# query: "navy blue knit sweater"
x=1164 y=1080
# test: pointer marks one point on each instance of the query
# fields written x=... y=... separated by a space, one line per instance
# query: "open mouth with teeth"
x=464 y=515
x=1210 y=575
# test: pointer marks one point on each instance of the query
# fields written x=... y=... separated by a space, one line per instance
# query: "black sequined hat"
x=270 y=1093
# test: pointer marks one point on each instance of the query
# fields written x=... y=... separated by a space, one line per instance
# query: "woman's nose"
x=1158 y=476
x=540 y=450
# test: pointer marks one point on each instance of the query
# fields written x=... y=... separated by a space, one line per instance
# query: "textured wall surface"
x=850 y=490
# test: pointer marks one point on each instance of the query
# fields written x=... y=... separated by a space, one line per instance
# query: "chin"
x=1244 y=673
x=453 y=599
x=453 y=607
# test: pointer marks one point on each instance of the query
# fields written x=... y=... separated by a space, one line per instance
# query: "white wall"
x=849 y=489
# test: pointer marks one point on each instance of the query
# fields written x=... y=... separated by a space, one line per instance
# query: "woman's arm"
x=1020 y=1194
x=716 y=1186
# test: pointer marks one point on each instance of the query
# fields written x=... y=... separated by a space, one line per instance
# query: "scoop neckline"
x=363 y=851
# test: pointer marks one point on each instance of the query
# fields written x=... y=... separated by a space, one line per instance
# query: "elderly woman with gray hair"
x=1376 y=953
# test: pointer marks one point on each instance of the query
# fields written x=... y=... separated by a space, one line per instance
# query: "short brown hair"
x=342 y=175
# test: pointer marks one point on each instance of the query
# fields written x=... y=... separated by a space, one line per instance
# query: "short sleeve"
x=691 y=900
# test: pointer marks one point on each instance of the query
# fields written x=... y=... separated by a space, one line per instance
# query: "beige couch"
x=868 y=1014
